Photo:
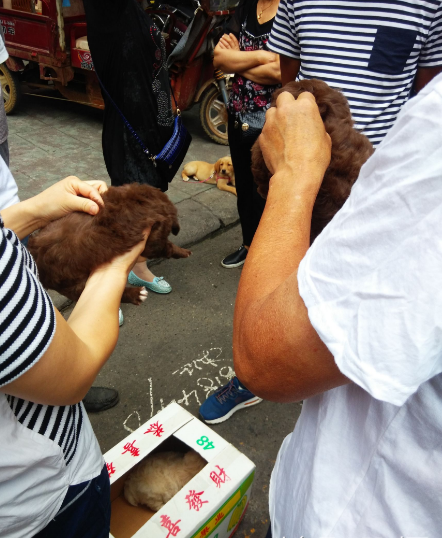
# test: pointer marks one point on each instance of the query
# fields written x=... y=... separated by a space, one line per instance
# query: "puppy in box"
x=220 y=174
x=159 y=477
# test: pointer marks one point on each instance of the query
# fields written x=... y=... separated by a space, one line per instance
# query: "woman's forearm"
x=236 y=61
x=264 y=74
x=21 y=218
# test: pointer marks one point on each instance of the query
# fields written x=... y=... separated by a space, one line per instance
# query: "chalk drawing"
x=208 y=362
x=125 y=422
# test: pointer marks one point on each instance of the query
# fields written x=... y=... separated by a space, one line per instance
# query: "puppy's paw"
x=143 y=294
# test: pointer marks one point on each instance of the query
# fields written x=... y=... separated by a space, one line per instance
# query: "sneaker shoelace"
x=226 y=393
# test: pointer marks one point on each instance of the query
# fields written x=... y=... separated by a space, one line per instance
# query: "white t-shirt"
x=8 y=187
x=365 y=459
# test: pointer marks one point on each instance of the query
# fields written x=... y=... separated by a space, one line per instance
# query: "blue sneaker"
x=225 y=401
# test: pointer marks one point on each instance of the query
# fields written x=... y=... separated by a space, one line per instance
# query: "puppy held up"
x=350 y=150
x=68 y=250
x=220 y=173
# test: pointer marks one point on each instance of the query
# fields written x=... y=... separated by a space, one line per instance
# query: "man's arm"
x=289 y=69
x=277 y=353
x=423 y=76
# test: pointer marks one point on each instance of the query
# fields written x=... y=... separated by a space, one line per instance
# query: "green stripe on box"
x=241 y=490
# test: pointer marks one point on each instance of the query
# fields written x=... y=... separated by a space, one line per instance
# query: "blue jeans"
x=85 y=512
x=269 y=532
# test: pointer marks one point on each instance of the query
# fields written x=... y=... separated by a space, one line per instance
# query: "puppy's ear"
x=218 y=166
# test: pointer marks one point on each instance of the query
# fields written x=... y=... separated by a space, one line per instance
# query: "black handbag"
x=250 y=123
x=170 y=158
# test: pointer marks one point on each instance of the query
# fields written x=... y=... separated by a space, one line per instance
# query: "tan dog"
x=220 y=174
x=157 y=478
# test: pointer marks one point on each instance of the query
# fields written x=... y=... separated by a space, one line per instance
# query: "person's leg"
x=269 y=532
x=85 y=512
x=250 y=204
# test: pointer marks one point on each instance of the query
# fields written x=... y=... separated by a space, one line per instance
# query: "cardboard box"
x=211 y=504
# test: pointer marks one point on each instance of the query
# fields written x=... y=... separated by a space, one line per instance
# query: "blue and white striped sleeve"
x=431 y=53
x=27 y=317
x=283 y=38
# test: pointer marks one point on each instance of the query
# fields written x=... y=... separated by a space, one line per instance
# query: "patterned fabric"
x=246 y=95
x=369 y=51
x=27 y=326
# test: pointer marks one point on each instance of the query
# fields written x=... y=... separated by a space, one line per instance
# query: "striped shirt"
x=27 y=326
x=369 y=50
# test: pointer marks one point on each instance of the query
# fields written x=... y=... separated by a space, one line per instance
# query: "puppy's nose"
x=223 y=171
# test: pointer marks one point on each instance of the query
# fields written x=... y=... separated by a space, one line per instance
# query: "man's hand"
x=228 y=41
x=294 y=142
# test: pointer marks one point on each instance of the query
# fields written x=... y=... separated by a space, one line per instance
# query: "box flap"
x=202 y=439
x=146 y=438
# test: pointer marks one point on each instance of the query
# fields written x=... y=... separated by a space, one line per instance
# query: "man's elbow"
x=261 y=375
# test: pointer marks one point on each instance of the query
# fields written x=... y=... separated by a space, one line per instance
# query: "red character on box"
x=170 y=526
x=156 y=429
x=110 y=468
x=194 y=500
x=220 y=477
x=129 y=447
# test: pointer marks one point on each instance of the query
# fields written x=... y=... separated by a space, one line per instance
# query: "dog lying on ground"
x=350 y=150
x=221 y=173
x=67 y=250
x=156 y=479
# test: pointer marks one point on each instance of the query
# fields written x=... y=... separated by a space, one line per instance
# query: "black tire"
x=213 y=115
x=11 y=88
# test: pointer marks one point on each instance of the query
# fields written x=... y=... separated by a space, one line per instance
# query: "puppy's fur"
x=350 y=150
x=156 y=479
x=69 y=249
x=221 y=173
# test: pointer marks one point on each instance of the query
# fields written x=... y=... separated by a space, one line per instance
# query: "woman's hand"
x=228 y=41
x=124 y=263
x=68 y=195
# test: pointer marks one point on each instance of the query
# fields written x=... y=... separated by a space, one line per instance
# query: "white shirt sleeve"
x=8 y=187
x=372 y=281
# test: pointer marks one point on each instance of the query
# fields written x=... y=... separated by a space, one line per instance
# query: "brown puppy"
x=221 y=173
x=67 y=250
x=350 y=150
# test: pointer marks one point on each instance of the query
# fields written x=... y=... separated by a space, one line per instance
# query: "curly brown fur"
x=69 y=249
x=350 y=150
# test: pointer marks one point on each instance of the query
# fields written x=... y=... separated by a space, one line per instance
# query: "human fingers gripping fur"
x=349 y=150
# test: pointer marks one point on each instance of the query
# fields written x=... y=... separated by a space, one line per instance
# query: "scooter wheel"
x=213 y=115
x=11 y=88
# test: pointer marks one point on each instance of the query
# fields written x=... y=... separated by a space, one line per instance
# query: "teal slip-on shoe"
x=159 y=285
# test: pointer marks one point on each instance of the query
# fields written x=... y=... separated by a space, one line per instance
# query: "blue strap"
x=128 y=125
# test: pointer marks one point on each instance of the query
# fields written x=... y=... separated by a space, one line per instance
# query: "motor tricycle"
x=48 y=50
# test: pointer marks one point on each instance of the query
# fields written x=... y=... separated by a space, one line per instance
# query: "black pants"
x=250 y=203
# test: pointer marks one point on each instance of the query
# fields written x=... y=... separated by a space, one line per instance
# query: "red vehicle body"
x=44 y=52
